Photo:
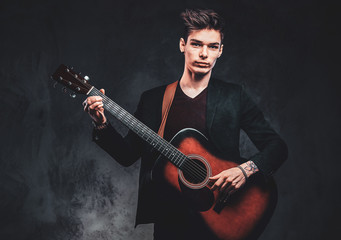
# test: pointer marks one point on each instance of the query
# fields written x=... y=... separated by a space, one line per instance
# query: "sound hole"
x=194 y=171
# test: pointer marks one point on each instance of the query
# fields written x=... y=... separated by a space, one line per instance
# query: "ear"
x=221 y=50
x=182 y=45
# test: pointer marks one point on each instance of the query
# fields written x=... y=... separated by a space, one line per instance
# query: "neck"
x=194 y=81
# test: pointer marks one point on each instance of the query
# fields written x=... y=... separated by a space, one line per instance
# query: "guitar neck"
x=144 y=132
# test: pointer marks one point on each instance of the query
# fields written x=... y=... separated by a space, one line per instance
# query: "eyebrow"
x=198 y=41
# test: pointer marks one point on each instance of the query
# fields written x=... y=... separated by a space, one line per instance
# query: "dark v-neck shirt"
x=178 y=222
x=186 y=112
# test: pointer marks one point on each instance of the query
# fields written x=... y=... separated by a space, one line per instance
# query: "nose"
x=203 y=52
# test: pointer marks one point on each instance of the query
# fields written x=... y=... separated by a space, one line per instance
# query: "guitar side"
x=245 y=214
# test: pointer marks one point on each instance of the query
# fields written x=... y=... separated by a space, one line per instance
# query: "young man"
x=217 y=109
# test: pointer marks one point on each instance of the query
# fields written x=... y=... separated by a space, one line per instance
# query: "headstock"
x=72 y=80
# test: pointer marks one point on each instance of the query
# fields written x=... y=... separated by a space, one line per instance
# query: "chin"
x=202 y=72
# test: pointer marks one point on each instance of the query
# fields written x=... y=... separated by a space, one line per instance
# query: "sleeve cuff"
x=257 y=160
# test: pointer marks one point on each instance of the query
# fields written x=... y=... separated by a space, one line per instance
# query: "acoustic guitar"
x=186 y=163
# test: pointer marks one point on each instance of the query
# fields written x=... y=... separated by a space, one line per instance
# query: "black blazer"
x=229 y=109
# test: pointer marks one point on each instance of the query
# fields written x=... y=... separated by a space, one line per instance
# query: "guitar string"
x=200 y=172
x=201 y=175
x=133 y=121
x=124 y=115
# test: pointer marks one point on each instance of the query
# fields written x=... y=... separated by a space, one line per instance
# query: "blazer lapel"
x=212 y=102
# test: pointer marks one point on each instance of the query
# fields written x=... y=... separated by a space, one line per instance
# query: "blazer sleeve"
x=125 y=150
x=273 y=150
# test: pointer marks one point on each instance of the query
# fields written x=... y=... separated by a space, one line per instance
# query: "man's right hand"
x=94 y=106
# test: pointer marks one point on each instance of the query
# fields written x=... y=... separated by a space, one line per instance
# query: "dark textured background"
x=55 y=183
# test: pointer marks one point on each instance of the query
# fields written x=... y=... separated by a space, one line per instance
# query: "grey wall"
x=55 y=183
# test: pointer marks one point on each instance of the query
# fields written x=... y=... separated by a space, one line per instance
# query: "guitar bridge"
x=221 y=203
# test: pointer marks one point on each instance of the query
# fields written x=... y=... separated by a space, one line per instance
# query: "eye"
x=195 y=44
x=213 y=47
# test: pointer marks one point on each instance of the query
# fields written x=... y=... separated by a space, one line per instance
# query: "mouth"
x=201 y=64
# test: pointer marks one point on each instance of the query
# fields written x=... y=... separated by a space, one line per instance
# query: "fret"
x=149 y=140
x=142 y=132
x=164 y=151
x=168 y=152
x=176 y=160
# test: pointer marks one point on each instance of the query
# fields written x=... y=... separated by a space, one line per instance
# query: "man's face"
x=201 y=50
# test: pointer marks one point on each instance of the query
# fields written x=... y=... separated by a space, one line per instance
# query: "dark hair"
x=198 y=19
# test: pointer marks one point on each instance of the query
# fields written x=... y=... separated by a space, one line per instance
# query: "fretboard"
x=144 y=132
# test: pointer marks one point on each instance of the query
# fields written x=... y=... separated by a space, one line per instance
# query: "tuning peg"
x=86 y=78
x=54 y=84
x=68 y=68
x=73 y=95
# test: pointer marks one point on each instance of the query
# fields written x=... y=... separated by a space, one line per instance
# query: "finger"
x=99 y=108
x=240 y=180
x=217 y=184
x=224 y=186
x=102 y=90
x=85 y=106
x=215 y=177
x=234 y=179
x=93 y=99
x=240 y=184
x=95 y=105
x=235 y=185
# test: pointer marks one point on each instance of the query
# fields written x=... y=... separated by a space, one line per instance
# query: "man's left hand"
x=228 y=181
x=232 y=179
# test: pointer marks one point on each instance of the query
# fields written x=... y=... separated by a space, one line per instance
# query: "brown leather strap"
x=166 y=104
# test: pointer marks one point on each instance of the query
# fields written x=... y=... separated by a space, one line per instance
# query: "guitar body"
x=243 y=216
